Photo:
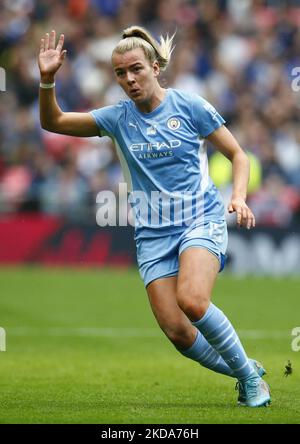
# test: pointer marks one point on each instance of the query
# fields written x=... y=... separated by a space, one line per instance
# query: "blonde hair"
x=137 y=37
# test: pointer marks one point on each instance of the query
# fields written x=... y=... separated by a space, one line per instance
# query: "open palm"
x=51 y=57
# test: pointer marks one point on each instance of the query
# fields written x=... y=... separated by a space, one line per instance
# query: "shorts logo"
x=173 y=123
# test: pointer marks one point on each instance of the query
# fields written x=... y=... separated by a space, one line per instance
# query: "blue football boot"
x=258 y=367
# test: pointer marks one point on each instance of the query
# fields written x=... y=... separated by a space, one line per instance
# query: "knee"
x=193 y=301
x=179 y=335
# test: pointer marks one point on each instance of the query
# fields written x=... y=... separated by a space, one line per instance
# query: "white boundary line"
x=111 y=332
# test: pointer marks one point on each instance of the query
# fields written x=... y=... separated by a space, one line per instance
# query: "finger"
x=42 y=46
x=52 y=40
x=60 y=43
x=244 y=220
x=63 y=55
x=46 y=42
x=238 y=216
x=250 y=220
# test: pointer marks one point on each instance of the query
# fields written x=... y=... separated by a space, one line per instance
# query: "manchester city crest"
x=173 y=123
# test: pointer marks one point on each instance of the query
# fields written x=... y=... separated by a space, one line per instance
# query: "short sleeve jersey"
x=164 y=161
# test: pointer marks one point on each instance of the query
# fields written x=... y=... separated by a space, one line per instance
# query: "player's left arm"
x=225 y=142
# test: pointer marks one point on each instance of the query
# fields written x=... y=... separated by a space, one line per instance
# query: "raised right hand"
x=50 y=58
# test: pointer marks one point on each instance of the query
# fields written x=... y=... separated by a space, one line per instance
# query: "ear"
x=156 y=68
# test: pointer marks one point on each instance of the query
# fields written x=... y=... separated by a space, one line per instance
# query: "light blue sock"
x=207 y=356
x=221 y=335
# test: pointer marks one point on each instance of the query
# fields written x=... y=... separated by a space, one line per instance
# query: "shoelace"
x=250 y=388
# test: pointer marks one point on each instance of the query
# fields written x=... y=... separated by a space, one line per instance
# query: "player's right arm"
x=51 y=116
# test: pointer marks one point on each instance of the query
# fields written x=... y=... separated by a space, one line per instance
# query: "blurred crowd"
x=238 y=54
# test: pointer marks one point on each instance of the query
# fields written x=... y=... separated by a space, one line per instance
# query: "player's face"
x=136 y=74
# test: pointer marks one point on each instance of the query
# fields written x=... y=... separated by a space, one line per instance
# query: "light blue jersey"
x=164 y=161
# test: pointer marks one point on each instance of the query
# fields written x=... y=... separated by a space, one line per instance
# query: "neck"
x=154 y=101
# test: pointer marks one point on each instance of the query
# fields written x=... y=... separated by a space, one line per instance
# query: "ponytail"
x=137 y=37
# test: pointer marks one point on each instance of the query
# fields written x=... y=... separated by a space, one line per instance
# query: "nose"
x=130 y=78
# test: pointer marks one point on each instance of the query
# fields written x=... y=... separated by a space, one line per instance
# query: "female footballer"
x=180 y=229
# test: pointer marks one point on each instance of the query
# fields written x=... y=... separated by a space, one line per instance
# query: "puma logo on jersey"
x=133 y=125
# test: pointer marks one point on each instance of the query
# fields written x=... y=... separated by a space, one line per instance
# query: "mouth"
x=134 y=91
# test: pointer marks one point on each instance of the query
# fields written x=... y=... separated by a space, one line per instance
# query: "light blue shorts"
x=159 y=257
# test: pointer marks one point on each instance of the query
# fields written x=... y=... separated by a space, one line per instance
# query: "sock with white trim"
x=207 y=356
x=221 y=335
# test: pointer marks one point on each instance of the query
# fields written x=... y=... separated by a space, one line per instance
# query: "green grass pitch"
x=82 y=346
